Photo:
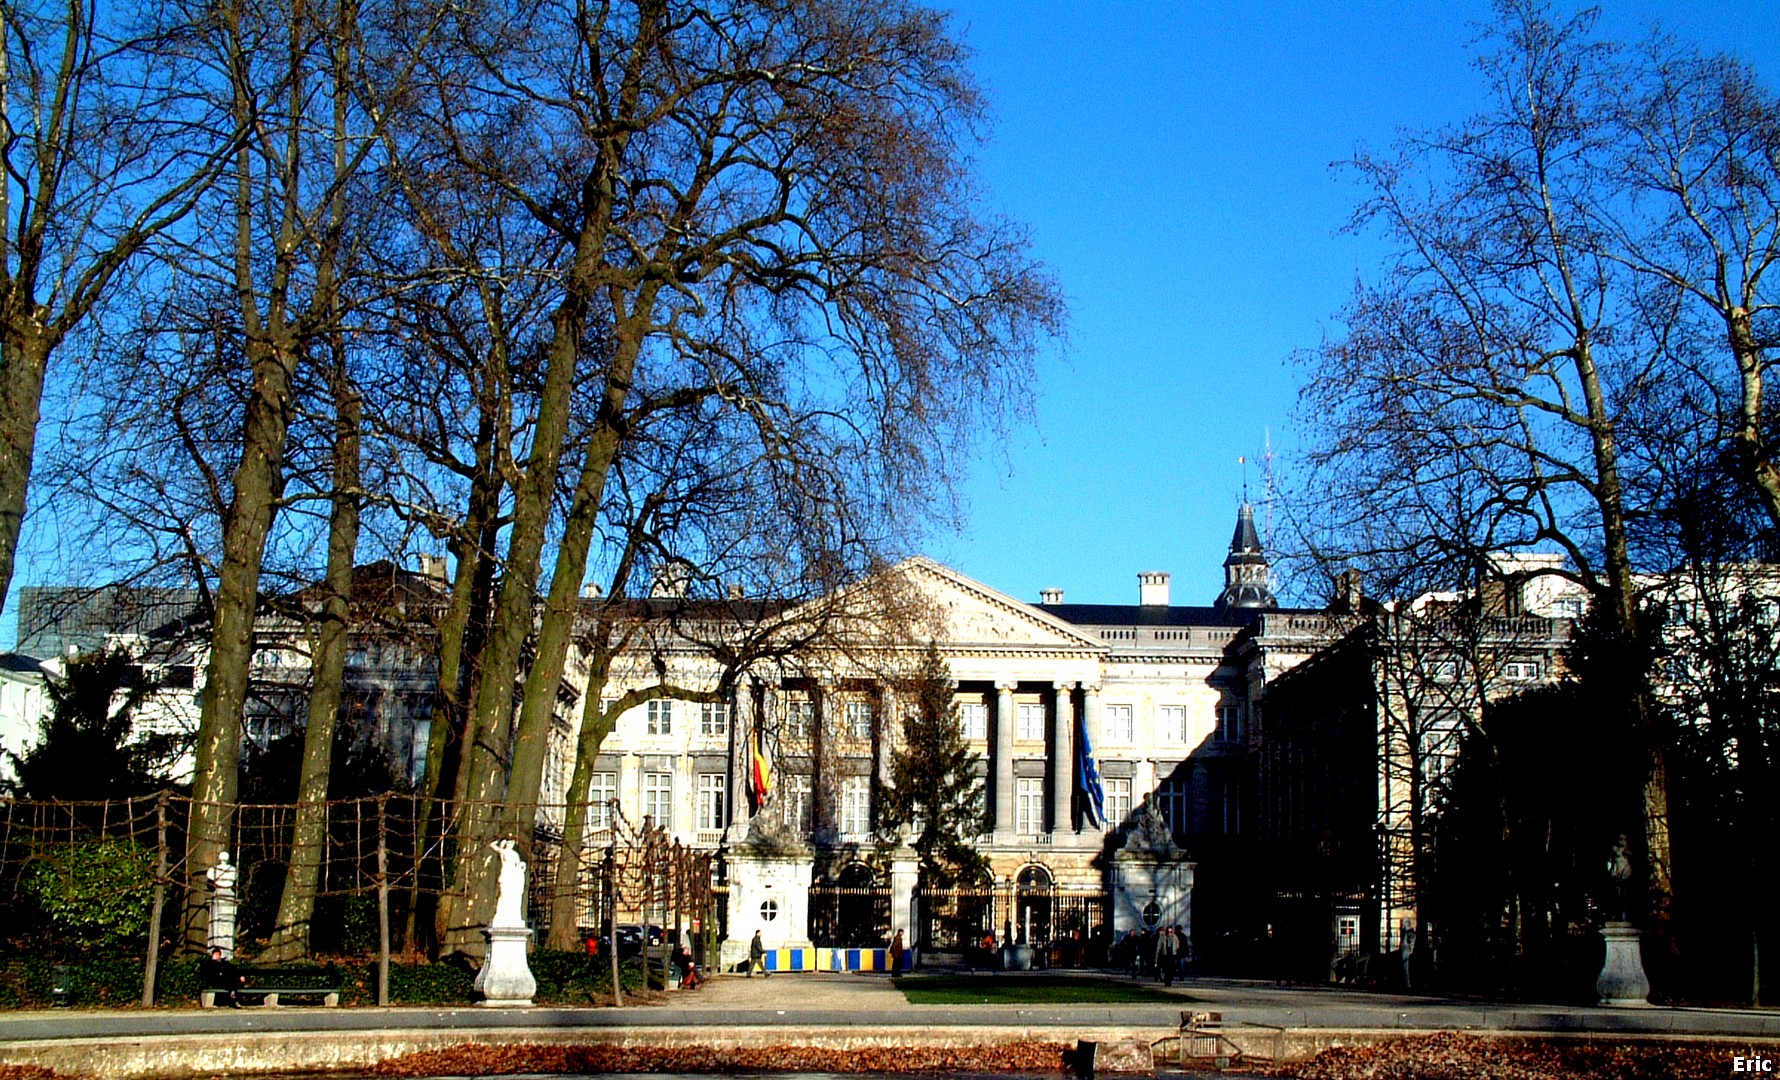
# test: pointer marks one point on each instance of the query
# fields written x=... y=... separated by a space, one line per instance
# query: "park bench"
x=275 y=988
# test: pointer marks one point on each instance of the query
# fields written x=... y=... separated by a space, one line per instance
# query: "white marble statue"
x=222 y=905
x=509 y=906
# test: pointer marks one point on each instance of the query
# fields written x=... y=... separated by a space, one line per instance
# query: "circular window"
x=769 y=910
x=1152 y=914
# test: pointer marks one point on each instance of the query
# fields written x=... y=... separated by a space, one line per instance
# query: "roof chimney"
x=1152 y=588
x=1050 y=597
x=432 y=566
x=592 y=590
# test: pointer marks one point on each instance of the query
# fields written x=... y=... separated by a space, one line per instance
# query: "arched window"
x=857 y=876
x=1034 y=878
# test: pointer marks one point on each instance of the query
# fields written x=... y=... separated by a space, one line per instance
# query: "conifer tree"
x=935 y=787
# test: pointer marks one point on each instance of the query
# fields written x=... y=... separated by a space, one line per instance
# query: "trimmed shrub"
x=94 y=894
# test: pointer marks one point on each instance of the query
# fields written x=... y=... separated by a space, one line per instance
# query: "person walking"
x=1167 y=947
x=896 y=952
x=757 y=958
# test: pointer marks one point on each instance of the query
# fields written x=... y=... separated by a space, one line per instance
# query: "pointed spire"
x=1247 y=578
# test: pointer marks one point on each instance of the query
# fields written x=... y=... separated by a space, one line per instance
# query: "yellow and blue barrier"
x=823 y=959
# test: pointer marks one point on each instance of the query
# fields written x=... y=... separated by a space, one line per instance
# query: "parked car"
x=631 y=937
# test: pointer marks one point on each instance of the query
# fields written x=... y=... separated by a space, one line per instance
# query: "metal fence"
x=383 y=865
x=1065 y=927
x=845 y=917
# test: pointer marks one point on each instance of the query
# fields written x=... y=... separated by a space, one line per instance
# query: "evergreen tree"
x=86 y=748
x=935 y=787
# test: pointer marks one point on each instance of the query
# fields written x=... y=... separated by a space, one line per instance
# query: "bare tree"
x=281 y=260
x=110 y=140
x=759 y=211
x=1475 y=400
x=1697 y=166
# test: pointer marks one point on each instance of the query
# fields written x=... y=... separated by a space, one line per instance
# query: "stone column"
x=825 y=729
x=889 y=726
x=905 y=873
x=1091 y=721
x=1062 y=757
x=743 y=722
x=1004 y=763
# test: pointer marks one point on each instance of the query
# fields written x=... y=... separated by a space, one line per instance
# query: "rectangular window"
x=658 y=798
x=712 y=790
x=713 y=718
x=1029 y=805
x=1172 y=720
x=1116 y=725
x=1118 y=799
x=1175 y=799
x=1230 y=726
x=661 y=717
x=1443 y=671
x=974 y=718
x=855 y=807
x=796 y=803
x=1032 y=722
x=859 y=719
x=800 y=717
x=600 y=795
x=1230 y=804
x=1521 y=669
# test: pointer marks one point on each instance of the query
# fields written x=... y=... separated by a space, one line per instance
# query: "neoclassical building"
x=1279 y=760
x=1289 y=752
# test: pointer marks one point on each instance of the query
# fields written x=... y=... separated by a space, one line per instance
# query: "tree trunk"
x=23 y=363
x=309 y=835
x=259 y=483
x=273 y=350
x=595 y=726
x=1750 y=435
x=558 y=625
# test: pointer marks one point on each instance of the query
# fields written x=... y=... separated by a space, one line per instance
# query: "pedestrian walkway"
x=802 y=1009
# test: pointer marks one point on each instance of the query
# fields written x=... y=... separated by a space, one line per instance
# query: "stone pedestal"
x=505 y=980
x=1622 y=980
x=769 y=890
x=1150 y=869
x=905 y=872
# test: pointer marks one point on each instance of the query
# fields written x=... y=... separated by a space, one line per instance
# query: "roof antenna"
x=1243 y=461
x=1267 y=484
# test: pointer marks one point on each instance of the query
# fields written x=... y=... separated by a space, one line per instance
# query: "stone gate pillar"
x=905 y=872
x=769 y=889
x=1151 y=876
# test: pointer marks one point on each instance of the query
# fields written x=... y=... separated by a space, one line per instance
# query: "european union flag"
x=1088 y=776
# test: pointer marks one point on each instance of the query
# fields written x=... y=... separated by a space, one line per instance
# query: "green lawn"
x=1021 y=989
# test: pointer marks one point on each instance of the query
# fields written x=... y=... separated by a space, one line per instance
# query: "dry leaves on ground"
x=472 y=1059
x=1453 y=1056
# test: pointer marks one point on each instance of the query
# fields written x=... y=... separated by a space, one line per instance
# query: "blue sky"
x=1172 y=161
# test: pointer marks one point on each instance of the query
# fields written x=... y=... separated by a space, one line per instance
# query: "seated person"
x=688 y=969
x=219 y=975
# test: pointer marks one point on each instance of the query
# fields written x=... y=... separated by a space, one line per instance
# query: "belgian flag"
x=760 y=773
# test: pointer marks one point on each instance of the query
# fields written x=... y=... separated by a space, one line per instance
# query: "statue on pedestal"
x=506 y=976
x=1619 y=872
x=509 y=906
x=223 y=903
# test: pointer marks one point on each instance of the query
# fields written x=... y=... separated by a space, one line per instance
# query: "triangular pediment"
x=965 y=614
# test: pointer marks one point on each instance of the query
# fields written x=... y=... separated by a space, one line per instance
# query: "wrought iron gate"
x=1065 y=927
x=844 y=917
